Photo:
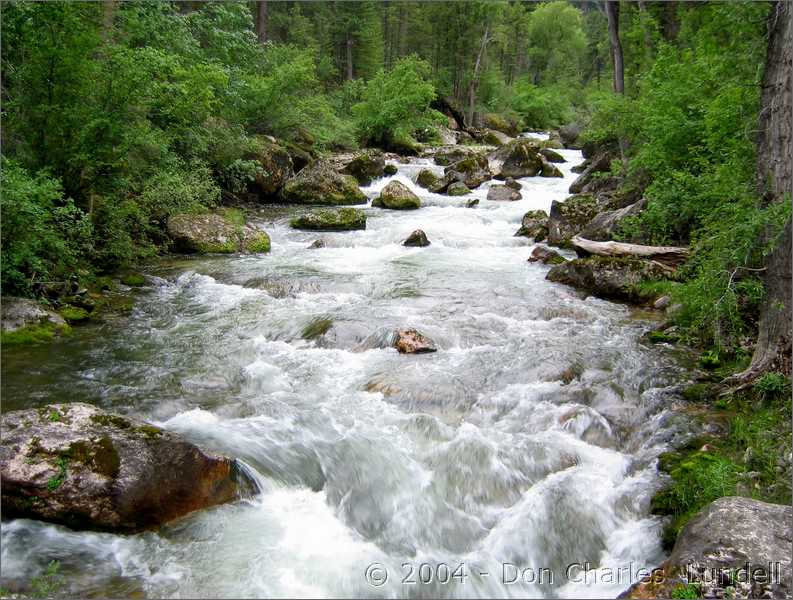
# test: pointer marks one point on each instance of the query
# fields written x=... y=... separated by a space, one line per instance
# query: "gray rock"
x=534 y=225
x=546 y=256
x=458 y=188
x=604 y=225
x=598 y=164
x=548 y=169
x=18 y=313
x=319 y=183
x=662 y=303
x=472 y=171
x=552 y=155
x=214 y=233
x=472 y=203
x=607 y=277
x=511 y=183
x=83 y=467
x=366 y=165
x=731 y=532
x=502 y=193
x=397 y=196
x=568 y=218
x=519 y=158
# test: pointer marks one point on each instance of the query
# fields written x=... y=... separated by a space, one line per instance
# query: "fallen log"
x=671 y=256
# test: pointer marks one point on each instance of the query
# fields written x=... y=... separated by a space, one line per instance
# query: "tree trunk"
x=670 y=256
x=475 y=78
x=613 y=16
x=775 y=178
x=261 y=21
x=108 y=16
x=403 y=29
x=349 y=56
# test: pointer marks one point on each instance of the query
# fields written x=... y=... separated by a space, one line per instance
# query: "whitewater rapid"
x=527 y=442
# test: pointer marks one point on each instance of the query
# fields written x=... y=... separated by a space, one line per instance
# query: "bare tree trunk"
x=386 y=36
x=349 y=56
x=403 y=30
x=775 y=178
x=475 y=78
x=613 y=16
x=108 y=16
x=261 y=21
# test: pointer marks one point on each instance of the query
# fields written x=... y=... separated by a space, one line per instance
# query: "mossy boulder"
x=342 y=219
x=211 y=233
x=25 y=321
x=85 y=468
x=473 y=171
x=276 y=167
x=546 y=256
x=74 y=314
x=549 y=169
x=319 y=183
x=366 y=165
x=534 y=224
x=609 y=277
x=568 y=218
x=448 y=155
x=501 y=123
x=491 y=137
x=518 y=158
x=552 y=155
x=457 y=188
x=397 y=196
x=390 y=170
x=427 y=179
x=133 y=279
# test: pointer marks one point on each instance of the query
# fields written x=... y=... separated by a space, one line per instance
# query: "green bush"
x=44 y=237
x=396 y=104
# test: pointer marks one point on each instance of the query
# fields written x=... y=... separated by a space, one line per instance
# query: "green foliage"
x=773 y=385
x=541 y=107
x=57 y=480
x=34 y=334
x=44 y=237
x=48 y=583
x=690 y=590
x=395 y=104
x=556 y=42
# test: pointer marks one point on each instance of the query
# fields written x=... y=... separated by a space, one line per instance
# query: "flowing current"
x=524 y=447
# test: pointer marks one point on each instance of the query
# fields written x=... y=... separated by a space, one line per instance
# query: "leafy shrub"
x=540 y=108
x=44 y=236
x=396 y=103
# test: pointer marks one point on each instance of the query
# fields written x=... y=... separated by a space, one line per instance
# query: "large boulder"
x=503 y=193
x=604 y=225
x=548 y=169
x=472 y=171
x=427 y=179
x=83 y=467
x=500 y=123
x=519 y=158
x=276 y=167
x=448 y=155
x=568 y=218
x=600 y=163
x=319 y=183
x=397 y=196
x=734 y=542
x=569 y=135
x=342 y=219
x=534 y=225
x=491 y=137
x=552 y=155
x=23 y=320
x=609 y=277
x=214 y=233
x=366 y=166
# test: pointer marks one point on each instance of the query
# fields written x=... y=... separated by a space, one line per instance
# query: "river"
x=524 y=446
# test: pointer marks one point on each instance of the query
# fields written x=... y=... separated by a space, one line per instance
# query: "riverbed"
x=523 y=447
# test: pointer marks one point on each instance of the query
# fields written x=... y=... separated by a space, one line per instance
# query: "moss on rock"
x=343 y=219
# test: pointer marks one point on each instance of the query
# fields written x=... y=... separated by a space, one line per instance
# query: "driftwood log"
x=670 y=256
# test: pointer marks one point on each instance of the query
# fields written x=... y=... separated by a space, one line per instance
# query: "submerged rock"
x=342 y=219
x=83 y=467
x=320 y=243
x=502 y=193
x=534 y=225
x=319 y=183
x=366 y=165
x=214 y=233
x=608 y=277
x=546 y=256
x=472 y=203
x=417 y=238
x=410 y=341
x=397 y=196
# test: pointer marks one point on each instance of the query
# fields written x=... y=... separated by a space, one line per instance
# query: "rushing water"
x=528 y=439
